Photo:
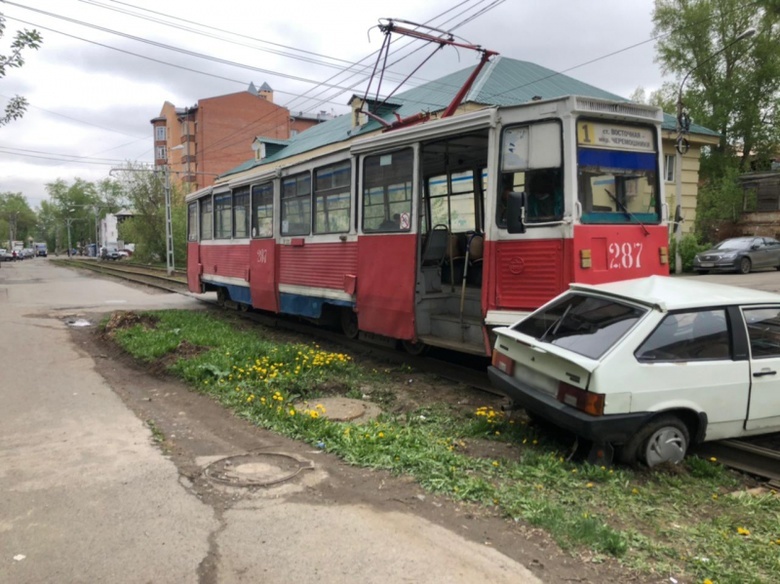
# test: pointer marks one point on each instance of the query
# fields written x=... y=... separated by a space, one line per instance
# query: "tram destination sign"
x=615 y=137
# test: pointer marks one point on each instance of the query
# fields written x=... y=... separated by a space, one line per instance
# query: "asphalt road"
x=88 y=497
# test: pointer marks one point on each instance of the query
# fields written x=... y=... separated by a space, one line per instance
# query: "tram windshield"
x=617 y=176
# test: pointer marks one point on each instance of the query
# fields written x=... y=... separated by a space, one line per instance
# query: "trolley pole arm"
x=445 y=40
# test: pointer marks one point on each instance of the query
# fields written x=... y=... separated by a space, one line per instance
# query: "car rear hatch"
x=542 y=365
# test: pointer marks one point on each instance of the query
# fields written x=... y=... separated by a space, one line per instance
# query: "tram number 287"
x=625 y=255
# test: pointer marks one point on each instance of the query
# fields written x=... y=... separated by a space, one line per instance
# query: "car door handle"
x=764 y=372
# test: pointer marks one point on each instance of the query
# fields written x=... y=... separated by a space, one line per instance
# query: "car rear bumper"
x=612 y=428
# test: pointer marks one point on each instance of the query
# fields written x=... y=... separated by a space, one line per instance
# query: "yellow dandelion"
x=574 y=471
x=713 y=459
x=743 y=531
x=381 y=434
x=496 y=463
x=589 y=486
x=634 y=491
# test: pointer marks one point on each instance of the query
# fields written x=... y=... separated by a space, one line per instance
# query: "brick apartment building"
x=216 y=134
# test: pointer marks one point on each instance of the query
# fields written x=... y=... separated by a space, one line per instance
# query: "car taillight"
x=585 y=401
x=503 y=363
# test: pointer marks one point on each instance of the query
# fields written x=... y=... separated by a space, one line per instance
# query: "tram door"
x=262 y=249
x=387 y=245
x=193 y=247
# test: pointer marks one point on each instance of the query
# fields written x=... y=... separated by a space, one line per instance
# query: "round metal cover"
x=256 y=470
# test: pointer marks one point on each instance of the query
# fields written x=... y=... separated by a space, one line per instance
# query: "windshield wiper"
x=620 y=204
x=556 y=324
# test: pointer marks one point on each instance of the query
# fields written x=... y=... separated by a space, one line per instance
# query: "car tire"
x=744 y=266
x=663 y=440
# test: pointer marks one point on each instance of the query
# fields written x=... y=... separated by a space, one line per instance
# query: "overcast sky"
x=93 y=92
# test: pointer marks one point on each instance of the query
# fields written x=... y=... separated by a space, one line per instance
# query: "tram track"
x=759 y=456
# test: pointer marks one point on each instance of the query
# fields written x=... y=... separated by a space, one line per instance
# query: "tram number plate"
x=625 y=255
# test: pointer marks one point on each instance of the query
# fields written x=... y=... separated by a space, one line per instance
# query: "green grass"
x=680 y=522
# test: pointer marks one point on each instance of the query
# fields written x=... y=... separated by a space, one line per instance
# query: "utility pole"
x=169 y=263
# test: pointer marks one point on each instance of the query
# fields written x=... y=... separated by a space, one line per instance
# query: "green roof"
x=503 y=82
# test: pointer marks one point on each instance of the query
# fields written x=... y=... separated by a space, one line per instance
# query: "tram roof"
x=504 y=82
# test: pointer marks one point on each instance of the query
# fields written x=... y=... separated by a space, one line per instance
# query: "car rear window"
x=584 y=324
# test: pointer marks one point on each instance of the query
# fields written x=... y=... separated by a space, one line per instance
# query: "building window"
x=161 y=153
x=263 y=205
x=159 y=133
x=332 y=198
x=241 y=212
x=296 y=204
x=223 y=213
x=669 y=170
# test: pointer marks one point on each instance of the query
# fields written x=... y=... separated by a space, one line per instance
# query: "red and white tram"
x=419 y=234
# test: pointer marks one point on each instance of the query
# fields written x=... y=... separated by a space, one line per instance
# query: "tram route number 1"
x=625 y=255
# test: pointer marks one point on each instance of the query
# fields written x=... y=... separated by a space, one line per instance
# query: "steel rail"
x=736 y=454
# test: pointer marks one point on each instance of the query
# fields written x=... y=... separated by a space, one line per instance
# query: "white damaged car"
x=645 y=368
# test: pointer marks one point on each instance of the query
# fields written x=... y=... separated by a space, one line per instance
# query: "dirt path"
x=193 y=430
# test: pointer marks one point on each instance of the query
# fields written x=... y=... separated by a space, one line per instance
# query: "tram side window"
x=296 y=204
x=455 y=208
x=387 y=191
x=241 y=213
x=206 y=219
x=192 y=221
x=263 y=205
x=223 y=214
x=332 y=198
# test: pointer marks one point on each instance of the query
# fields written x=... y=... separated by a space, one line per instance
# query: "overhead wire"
x=469 y=19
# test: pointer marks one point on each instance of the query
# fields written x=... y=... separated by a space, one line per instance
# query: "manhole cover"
x=256 y=470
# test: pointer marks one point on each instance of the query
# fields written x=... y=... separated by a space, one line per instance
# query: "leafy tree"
x=731 y=86
x=80 y=204
x=17 y=219
x=24 y=39
x=145 y=192
x=720 y=205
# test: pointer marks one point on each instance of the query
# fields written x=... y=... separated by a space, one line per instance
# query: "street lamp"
x=683 y=126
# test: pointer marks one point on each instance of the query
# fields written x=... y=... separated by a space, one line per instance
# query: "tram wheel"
x=414 y=347
x=222 y=296
x=244 y=307
x=349 y=323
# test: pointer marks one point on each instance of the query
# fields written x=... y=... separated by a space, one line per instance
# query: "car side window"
x=763 y=326
x=688 y=336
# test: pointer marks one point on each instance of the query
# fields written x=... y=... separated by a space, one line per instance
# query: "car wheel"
x=663 y=440
x=744 y=266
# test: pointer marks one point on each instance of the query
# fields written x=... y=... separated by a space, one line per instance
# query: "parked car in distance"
x=739 y=254
x=646 y=368
x=4 y=255
x=110 y=253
